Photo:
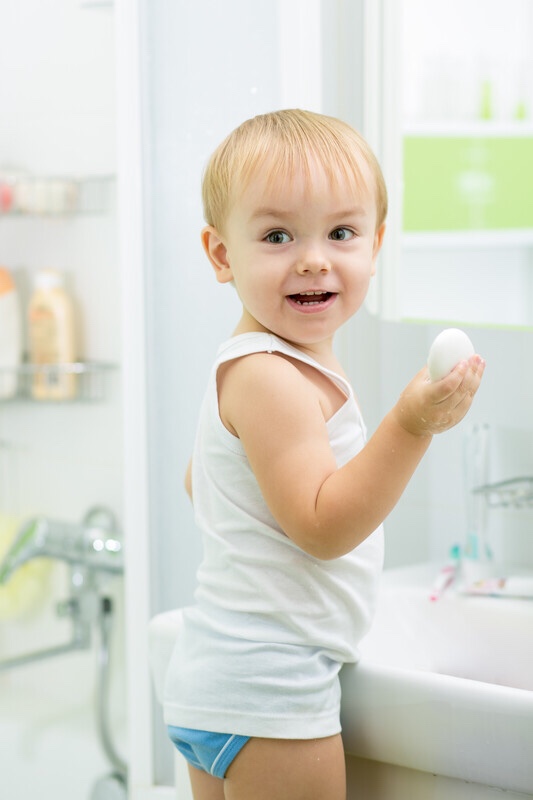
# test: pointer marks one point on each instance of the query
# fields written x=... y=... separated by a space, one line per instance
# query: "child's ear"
x=378 y=241
x=217 y=254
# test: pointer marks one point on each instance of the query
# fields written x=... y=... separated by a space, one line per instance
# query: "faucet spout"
x=95 y=547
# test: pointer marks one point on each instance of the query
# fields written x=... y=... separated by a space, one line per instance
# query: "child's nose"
x=312 y=260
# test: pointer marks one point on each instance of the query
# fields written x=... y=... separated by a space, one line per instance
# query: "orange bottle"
x=51 y=338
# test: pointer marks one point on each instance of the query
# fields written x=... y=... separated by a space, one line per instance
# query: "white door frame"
x=130 y=198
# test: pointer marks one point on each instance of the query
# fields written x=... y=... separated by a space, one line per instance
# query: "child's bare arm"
x=327 y=510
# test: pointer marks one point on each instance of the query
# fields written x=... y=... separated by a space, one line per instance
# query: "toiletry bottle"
x=10 y=335
x=51 y=338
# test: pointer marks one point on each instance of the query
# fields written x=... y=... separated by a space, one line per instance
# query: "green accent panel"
x=467 y=183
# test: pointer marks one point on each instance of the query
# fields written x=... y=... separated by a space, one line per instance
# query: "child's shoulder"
x=258 y=371
x=266 y=385
x=262 y=384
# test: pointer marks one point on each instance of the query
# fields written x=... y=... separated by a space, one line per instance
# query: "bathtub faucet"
x=93 y=543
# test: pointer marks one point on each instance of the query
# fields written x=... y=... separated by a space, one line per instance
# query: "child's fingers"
x=461 y=399
x=465 y=377
x=433 y=407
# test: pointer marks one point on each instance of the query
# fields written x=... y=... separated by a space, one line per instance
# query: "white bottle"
x=51 y=338
x=10 y=335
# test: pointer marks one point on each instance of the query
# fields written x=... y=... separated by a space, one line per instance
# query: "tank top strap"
x=258 y=342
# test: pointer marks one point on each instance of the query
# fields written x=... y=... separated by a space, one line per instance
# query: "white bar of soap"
x=449 y=348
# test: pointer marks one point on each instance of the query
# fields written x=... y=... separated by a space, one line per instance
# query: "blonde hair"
x=286 y=140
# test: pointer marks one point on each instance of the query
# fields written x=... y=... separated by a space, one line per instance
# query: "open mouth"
x=311 y=298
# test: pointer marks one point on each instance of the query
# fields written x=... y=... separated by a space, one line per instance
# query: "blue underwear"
x=210 y=752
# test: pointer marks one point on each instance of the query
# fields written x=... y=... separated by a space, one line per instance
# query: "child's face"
x=301 y=253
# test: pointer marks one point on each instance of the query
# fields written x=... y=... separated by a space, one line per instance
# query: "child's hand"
x=425 y=408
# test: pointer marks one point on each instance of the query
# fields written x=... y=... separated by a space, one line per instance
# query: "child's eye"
x=341 y=234
x=277 y=237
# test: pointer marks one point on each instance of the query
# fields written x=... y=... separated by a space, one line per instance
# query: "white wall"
x=57 y=101
x=431 y=516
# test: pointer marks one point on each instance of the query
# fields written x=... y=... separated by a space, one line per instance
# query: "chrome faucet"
x=93 y=543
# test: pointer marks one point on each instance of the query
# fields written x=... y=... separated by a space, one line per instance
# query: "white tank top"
x=260 y=651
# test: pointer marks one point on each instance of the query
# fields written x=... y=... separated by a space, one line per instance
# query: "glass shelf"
x=81 y=381
x=512 y=493
x=26 y=195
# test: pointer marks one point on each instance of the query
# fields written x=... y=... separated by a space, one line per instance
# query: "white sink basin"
x=482 y=638
x=443 y=687
x=446 y=686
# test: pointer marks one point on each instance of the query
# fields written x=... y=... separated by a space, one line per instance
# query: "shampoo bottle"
x=10 y=335
x=51 y=338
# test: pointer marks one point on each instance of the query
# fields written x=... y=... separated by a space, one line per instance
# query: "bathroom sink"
x=482 y=638
x=444 y=687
